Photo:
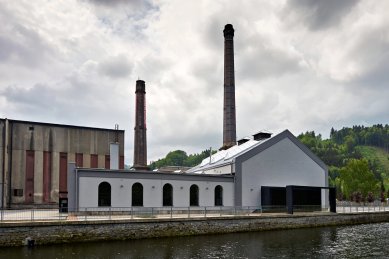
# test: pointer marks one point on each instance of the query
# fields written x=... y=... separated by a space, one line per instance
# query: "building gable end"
x=285 y=134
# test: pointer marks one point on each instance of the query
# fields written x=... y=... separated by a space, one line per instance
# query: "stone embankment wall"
x=17 y=234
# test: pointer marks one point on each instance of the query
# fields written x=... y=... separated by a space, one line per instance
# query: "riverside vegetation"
x=357 y=158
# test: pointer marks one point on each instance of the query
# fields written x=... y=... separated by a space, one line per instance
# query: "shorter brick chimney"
x=140 y=141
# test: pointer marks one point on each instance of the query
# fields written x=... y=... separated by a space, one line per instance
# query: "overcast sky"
x=300 y=65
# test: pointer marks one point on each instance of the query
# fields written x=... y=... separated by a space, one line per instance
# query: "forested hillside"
x=358 y=160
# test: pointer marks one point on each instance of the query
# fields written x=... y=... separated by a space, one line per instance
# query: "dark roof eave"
x=111 y=171
x=60 y=125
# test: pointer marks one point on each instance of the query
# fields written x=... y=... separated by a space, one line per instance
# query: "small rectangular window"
x=18 y=192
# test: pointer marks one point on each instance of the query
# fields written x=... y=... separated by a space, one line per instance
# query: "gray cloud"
x=259 y=59
x=7 y=47
x=38 y=97
x=321 y=14
x=119 y=2
x=27 y=48
x=370 y=54
x=74 y=99
x=152 y=67
x=116 y=67
x=212 y=35
x=208 y=71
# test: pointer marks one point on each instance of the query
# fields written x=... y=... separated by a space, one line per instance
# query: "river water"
x=368 y=241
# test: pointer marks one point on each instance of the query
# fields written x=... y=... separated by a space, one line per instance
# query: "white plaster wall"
x=282 y=164
x=152 y=192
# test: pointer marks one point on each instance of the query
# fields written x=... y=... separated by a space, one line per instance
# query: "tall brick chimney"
x=229 y=115
x=140 y=142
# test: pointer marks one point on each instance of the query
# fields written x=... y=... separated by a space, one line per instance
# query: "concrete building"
x=34 y=157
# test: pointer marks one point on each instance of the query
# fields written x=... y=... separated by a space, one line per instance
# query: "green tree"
x=349 y=142
x=176 y=158
x=357 y=177
x=180 y=158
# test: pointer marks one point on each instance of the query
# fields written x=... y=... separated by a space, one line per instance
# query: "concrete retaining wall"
x=16 y=234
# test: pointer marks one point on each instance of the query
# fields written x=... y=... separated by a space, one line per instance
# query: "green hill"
x=379 y=159
x=347 y=145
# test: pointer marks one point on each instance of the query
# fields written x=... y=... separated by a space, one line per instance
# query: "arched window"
x=104 y=195
x=167 y=199
x=218 y=196
x=137 y=194
x=194 y=195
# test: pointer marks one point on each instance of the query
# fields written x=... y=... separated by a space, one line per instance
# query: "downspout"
x=234 y=179
x=77 y=200
x=210 y=155
x=3 y=165
x=233 y=168
x=10 y=166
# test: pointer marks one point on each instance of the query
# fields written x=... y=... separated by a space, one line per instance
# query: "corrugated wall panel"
x=63 y=170
x=46 y=176
x=29 y=183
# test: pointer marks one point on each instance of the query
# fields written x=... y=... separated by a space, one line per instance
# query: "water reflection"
x=340 y=242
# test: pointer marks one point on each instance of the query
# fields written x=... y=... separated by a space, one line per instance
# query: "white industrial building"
x=256 y=172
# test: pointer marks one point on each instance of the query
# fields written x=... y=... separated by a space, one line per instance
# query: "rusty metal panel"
x=63 y=170
x=29 y=184
x=121 y=162
x=46 y=176
x=94 y=161
x=107 y=161
x=79 y=160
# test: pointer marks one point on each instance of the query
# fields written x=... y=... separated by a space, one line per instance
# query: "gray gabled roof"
x=277 y=138
x=250 y=149
x=224 y=157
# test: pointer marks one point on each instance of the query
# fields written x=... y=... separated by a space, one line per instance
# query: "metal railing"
x=354 y=207
x=127 y=213
x=31 y=215
x=134 y=213
x=163 y=212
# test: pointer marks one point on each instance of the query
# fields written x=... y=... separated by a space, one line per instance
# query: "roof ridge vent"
x=262 y=135
x=243 y=140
